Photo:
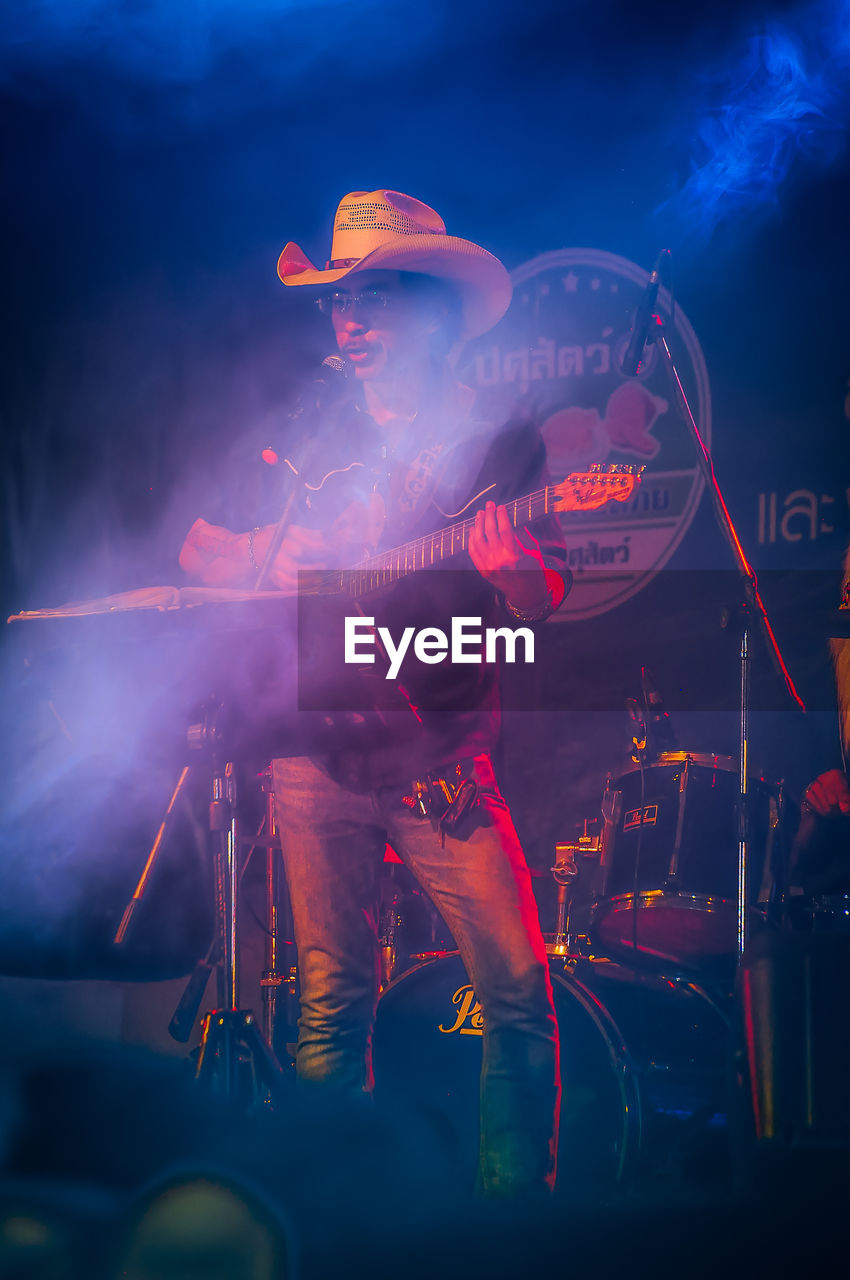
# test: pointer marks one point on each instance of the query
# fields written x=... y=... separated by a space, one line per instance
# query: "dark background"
x=157 y=157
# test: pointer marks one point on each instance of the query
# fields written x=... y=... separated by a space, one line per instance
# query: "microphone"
x=333 y=372
x=336 y=364
x=643 y=320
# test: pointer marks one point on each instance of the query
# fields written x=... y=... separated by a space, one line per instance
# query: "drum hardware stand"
x=566 y=873
x=234 y=1058
x=183 y=1018
x=639 y=756
x=752 y=605
x=280 y=970
x=391 y=919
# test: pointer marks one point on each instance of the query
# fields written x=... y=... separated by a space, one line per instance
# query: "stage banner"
x=557 y=356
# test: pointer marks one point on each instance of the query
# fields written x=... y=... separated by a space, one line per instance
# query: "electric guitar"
x=580 y=491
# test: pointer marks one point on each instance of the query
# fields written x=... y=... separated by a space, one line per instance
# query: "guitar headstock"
x=603 y=482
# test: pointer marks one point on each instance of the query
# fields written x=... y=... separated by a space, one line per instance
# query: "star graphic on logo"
x=570 y=282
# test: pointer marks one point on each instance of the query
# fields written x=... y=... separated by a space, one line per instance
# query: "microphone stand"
x=751 y=607
x=280 y=528
x=292 y=485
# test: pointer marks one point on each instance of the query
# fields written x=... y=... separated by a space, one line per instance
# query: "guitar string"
x=383 y=564
x=385 y=559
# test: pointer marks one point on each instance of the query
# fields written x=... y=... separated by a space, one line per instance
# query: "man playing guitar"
x=402 y=295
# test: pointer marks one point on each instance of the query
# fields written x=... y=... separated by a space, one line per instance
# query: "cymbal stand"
x=751 y=606
x=235 y=1058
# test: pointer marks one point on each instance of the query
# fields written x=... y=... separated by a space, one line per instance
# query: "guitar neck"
x=580 y=491
x=427 y=552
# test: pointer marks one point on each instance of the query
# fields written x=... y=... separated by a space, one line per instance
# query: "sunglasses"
x=368 y=300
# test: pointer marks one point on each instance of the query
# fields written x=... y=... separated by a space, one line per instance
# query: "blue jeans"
x=333 y=841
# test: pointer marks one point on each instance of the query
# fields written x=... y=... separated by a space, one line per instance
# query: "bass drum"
x=643 y=1069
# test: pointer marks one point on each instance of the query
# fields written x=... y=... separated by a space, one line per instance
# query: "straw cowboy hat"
x=388 y=231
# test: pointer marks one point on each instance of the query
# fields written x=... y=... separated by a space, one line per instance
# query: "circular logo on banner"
x=558 y=355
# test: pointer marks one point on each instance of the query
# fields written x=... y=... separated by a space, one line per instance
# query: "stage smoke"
x=780 y=98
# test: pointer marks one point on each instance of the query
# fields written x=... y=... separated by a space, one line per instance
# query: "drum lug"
x=680 y=820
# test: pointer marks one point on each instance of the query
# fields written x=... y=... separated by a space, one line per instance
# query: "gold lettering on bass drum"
x=469 y=1018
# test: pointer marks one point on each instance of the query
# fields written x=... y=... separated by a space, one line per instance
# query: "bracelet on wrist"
x=537 y=614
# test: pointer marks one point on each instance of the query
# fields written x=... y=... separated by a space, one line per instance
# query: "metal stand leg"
x=743 y=799
x=234 y=1057
x=273 y=978
x=224 y=829
x=751 y=607
x=236 y=1060
x=140 y=889
x=279 y=978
